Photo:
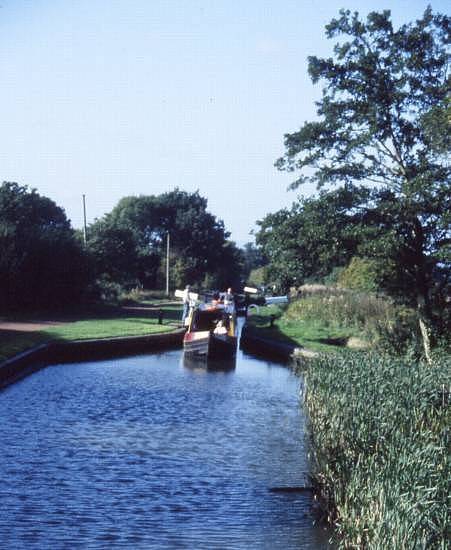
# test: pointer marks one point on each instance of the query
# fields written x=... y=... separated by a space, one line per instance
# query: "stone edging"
x=56 y=351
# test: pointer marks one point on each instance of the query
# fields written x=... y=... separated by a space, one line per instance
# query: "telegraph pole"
x=167 y=266
x=84 y=220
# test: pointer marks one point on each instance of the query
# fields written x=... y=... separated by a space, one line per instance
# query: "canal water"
x=150 y=452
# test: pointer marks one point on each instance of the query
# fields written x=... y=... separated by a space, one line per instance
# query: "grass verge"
x=100 y=323
x=379 y=430
x=309 y=333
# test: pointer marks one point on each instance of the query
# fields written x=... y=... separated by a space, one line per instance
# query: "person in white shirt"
x=229 y=302
x=185 y=303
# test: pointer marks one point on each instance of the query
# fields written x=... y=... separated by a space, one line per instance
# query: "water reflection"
x=202 y=364
x=147 y=452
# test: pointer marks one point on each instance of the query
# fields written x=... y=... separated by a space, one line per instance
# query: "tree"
x=384 y=91
x=42 y=263
x=317 y=235
x=139 y=226
x=116 y=256
x=253 y=258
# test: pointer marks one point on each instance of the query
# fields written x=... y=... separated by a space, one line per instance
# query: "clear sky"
x=110 y=98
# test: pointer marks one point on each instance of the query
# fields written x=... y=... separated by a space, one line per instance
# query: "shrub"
x=334 y=276
x=361 y=274
x=107 y=291
x=138 y=294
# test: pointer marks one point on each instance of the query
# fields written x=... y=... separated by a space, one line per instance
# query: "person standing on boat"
x=186 y=302
x=229 y=302
x=216 y=298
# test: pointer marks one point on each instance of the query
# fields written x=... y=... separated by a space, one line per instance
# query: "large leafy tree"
x=315 y=236
x=385 y=93
x=130 y=242
x=116 y=256
x=42 y=263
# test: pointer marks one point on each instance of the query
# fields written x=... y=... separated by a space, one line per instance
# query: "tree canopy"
x=41 y=261
x=253 y=258
x=315 y=236
x=139 y=226
x=377 y=90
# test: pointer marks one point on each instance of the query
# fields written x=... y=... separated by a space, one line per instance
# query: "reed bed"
x=379 y=448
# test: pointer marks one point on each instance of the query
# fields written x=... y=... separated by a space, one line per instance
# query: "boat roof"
x=210 y=306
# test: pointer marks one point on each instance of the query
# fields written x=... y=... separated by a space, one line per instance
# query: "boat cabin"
x=212 y=320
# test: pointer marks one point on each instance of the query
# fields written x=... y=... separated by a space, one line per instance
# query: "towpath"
x=35 y=325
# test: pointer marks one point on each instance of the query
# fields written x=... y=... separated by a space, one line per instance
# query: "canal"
x=149 y=452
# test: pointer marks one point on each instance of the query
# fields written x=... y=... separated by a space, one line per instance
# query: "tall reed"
x=379 y=435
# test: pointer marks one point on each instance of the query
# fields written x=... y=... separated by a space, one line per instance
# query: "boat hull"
x=205 y=345
x=222 y=347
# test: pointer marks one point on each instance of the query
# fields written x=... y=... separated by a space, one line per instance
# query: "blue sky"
x=110 y=98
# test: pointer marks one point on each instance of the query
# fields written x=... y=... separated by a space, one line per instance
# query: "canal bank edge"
x=272 y=349
x=56 y=351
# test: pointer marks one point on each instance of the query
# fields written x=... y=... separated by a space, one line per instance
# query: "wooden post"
x=167 y=266
x=84 y=220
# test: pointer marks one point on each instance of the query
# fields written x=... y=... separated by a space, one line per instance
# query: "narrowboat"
x=211 y=332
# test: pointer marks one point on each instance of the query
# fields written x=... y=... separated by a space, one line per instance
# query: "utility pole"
x=167 y=266
x=84 y=220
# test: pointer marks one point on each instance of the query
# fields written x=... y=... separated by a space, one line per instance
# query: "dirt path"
x=29 y=326
x=34 y=325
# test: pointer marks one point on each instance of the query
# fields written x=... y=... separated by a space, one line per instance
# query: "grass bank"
x=308 y=333
x=374 y=319
x=106 y=322
x=379 y=441
x=327 y=319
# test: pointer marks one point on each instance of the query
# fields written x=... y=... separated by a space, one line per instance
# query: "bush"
x=107 y=291
x=334 y=276
x=361 y=274
x=138 y=294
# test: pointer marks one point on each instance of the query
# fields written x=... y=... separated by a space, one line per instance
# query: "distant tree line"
x=128 y=245
x=45 y=264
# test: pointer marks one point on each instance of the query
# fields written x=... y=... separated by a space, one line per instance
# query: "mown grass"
x=379 y=436
x=308 y=333
x=103 y=323
x=106 y=328
x=15 y=342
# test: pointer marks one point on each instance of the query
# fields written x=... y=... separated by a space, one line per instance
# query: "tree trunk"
x=425 y=334
x=422 y=280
